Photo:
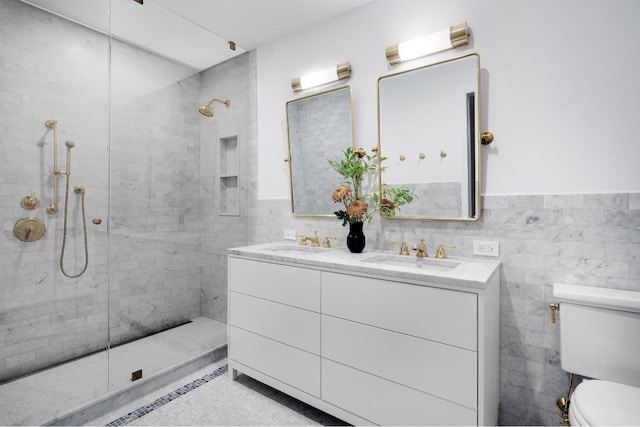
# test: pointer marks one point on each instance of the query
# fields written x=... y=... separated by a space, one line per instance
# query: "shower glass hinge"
x=136 y=375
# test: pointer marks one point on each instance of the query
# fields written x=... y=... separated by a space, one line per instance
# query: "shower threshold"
x=74 y=392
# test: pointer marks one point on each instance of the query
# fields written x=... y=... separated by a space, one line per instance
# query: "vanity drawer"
x=287 y=364
x=441 y=315
x=290 y=325
x=388 y=403
x=299 y=287
x=438 y=369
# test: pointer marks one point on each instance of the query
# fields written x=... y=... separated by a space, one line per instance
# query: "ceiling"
x=196 y=33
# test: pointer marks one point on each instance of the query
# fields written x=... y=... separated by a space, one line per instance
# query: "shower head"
x=206 y=109
x=69 y=144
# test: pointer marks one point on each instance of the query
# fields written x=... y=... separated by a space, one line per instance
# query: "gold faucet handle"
x=404 y=250
x=441 y=253
x=327 y=242
x=303 y=239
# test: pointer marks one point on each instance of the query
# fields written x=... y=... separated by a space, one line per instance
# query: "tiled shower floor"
x=48 y=396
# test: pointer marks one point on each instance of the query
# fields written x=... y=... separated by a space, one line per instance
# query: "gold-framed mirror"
x=319 y=128
x=429 y=131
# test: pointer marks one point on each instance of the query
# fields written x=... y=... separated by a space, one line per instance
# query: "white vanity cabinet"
x=274 y=322
x=367 y=348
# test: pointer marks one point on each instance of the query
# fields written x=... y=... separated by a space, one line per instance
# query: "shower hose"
x=64 y=233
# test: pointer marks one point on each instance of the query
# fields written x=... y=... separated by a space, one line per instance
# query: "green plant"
x=359 y=172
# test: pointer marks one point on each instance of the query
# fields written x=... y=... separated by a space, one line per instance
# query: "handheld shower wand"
x=69 y=145
x=78 y=189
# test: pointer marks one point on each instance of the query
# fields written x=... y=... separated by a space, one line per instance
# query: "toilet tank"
x=599 y=332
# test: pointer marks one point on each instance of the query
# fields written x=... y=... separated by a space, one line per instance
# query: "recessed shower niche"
x=229 y=194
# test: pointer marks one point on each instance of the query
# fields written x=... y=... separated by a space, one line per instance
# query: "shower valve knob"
x=30 y=202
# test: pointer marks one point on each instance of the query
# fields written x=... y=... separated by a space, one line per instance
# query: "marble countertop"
x=470 y=273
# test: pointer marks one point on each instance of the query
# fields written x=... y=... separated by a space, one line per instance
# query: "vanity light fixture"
x=322 y=77
x=449 y=38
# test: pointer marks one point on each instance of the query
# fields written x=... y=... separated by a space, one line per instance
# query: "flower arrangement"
x=358 y=170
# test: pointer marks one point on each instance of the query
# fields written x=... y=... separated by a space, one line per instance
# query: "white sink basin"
x=413 y=262
x=297 y=250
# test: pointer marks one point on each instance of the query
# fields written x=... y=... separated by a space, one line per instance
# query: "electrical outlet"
x=485 y=248
x=289 y=234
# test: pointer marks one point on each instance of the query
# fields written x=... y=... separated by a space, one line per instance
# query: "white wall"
x=559 y=79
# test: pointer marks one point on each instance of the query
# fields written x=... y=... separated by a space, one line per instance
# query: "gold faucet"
x=421 y=248
x=315 y=241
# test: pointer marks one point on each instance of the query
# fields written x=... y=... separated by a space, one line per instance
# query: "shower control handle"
x=30 y=202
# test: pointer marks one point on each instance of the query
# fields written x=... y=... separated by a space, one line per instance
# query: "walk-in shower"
x=118 y=260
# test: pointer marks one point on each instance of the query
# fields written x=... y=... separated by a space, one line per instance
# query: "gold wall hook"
x=443 y=154
x=402 y=157
x=486 y=138
x=422 y=156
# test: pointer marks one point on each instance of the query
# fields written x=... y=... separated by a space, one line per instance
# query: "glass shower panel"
x=155 y=218
x=54 y=79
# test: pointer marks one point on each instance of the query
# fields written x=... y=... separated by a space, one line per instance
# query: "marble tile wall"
x=445 y=200
x=45 y=317
x=155 y=218
x=590 y=239
x=234 y=80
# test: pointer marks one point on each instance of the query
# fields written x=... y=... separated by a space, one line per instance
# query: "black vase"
x=355 y=238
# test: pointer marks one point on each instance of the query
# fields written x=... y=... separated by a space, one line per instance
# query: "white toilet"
x=600 y=339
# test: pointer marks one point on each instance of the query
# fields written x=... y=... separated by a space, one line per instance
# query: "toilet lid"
x=598 y=402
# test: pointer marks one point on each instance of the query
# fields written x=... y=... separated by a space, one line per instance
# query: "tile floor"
x=208 y=397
